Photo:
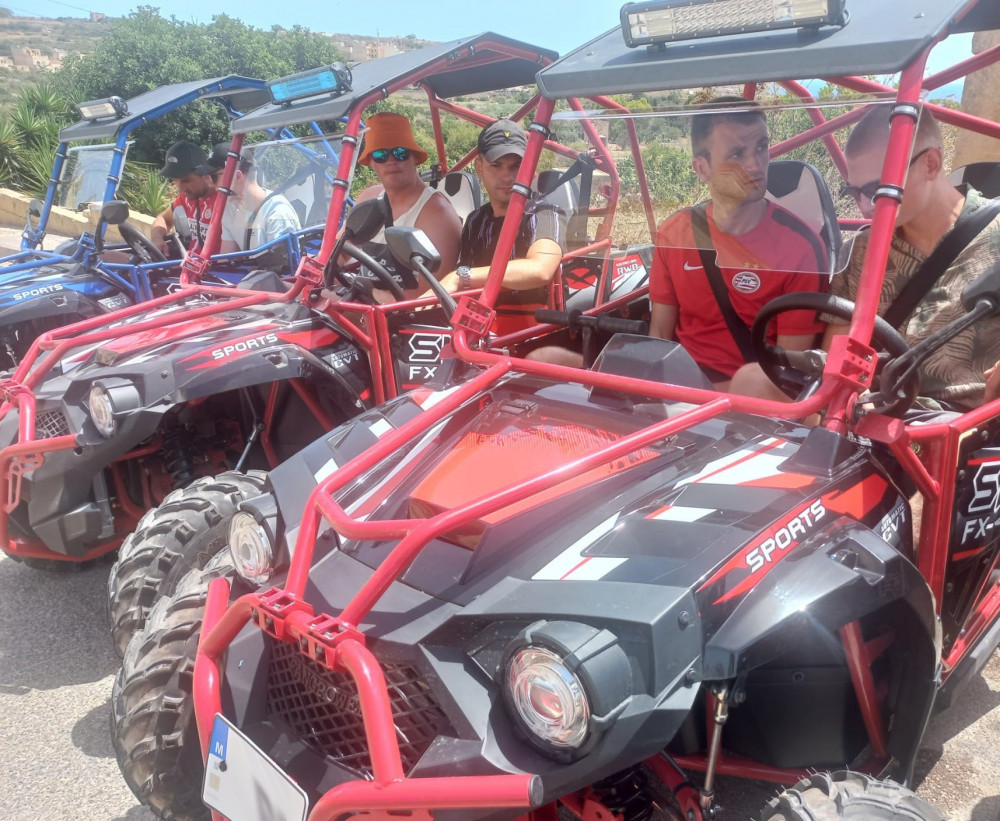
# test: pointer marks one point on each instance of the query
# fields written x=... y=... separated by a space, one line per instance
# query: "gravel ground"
x=56 y=669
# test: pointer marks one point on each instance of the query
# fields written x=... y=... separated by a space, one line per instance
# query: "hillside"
x=53 y=38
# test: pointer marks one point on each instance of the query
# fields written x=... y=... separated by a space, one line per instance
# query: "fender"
x=844 y=572
x=30 y=302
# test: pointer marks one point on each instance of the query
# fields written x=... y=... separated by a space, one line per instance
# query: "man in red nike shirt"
x=761 y=250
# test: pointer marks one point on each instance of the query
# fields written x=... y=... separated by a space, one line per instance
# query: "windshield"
x=84 y=175
x=298 y=172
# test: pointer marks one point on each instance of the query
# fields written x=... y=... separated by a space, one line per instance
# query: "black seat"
x=983 y=176
x=799 y=187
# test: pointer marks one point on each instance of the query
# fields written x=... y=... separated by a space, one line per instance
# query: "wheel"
x=780 y=365
x=829 y=796
x=184 y=532
x=153 y=727
x=141 y=245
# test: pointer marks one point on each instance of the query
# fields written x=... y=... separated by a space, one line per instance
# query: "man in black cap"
x=537 y=252
x=188 y=166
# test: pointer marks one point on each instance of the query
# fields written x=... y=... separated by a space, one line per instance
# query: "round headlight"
x=251 y=548
x=548 y=697
x=102 y=412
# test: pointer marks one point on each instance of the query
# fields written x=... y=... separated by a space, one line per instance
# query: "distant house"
x=6 y=62
x=26 y=58
x=97 y=17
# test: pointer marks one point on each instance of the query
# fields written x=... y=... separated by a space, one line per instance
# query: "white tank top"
x=408 y=219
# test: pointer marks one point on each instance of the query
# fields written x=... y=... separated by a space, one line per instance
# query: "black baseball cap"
x=501 y=138
x=216 y=160
x=181 y=159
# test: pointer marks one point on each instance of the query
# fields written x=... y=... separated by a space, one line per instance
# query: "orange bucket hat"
x=389 y=130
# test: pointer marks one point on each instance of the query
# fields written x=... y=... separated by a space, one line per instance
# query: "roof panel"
x=244 y=93
x=881 y=37
x=468 y=74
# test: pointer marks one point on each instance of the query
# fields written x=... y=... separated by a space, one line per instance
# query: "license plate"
x=243 y=784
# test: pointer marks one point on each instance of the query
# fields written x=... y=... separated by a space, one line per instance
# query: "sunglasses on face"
x=868 y=190
x=400 y=154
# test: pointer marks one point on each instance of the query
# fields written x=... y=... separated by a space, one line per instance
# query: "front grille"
x=323 y=708
x=50 y=423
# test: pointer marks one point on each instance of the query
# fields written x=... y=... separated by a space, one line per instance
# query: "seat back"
x=983 y=176
x=567 y=198
x=462 y=188
x=799 y=187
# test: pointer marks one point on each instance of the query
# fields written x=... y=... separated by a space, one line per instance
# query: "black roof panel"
x=243 y=93
x=881 y=37
x=466 y=75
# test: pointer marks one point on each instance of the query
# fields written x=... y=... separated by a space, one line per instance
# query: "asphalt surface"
x=57 y=763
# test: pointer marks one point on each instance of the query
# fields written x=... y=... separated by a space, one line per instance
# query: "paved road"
x=56 y=761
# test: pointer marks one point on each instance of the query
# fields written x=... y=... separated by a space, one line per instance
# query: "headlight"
x=107 y=400
x=102 y=413
x=548 y=697
x=564 y=684
x=251 y=548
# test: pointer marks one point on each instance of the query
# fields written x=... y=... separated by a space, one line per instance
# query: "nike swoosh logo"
x=691 y=267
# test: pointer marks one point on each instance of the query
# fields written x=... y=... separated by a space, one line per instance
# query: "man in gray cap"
x=187 y=165
x=537 y=251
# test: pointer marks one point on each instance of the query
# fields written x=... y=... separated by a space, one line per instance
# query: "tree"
x=145 y=50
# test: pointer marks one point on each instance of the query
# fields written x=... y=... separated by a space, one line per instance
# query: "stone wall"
x=14 y=209
x=979 y=97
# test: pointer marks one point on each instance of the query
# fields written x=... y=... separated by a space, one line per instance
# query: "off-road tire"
x=183 y=533
x=153 y=727
x=832 y=796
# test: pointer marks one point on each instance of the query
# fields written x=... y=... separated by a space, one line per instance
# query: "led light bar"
x=662 y=21
x=108 y=107
x=333 y=79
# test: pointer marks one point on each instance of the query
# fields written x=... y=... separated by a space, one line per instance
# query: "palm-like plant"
x=145 y=191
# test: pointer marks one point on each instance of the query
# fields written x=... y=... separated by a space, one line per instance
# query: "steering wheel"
x=785 y=368
x=140 y=244
x=358 y=284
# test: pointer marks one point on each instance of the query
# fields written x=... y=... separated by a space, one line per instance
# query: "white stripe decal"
x=326 y=470
x=683 y=514
x=380 y=428
x=572 y=564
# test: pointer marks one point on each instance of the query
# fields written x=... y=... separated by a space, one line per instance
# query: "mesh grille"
x=322 y=707
x=50 y=423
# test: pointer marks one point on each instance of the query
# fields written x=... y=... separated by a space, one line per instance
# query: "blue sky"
x=559 y=25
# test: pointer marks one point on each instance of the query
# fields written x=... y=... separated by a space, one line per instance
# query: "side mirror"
x=35 y=208
x=407 y=244
x=364 y=221
x=114 y=212
x=984 y=287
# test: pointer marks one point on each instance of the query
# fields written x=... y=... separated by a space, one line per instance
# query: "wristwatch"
x=464 y=277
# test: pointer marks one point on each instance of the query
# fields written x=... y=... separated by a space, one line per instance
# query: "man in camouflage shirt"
x=962 y=372
x=956 y=372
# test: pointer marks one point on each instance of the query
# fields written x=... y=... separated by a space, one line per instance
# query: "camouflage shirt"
x=953 y=373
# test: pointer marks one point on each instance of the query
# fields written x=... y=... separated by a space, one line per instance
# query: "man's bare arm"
x=663 y=321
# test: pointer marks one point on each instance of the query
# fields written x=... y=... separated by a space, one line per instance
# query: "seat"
x=462 y=188
x=566 y=198
x=799 y=187
x=983 y=176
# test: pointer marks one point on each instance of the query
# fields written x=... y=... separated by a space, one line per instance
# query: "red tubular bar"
x=984 y=615
x=743 y=768
x=449 y=793
x=836 y=154
x=859 y=662
x=36 y=550
x=390 y=790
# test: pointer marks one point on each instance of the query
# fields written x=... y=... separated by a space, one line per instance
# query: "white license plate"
x=243 y=784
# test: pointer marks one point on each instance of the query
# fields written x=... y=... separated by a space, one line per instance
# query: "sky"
x=561 y=25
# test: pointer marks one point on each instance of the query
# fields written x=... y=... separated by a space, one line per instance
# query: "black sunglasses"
x=400 y=154
x=869 y=189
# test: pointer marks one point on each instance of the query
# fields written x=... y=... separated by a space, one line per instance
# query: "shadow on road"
x=987 y=810
x=55 y=630
x=91 y=735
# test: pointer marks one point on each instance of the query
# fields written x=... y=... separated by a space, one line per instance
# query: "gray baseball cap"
x=501 y=138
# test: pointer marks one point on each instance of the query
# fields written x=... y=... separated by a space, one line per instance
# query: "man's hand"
x=449 y=281
x=993 y=383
